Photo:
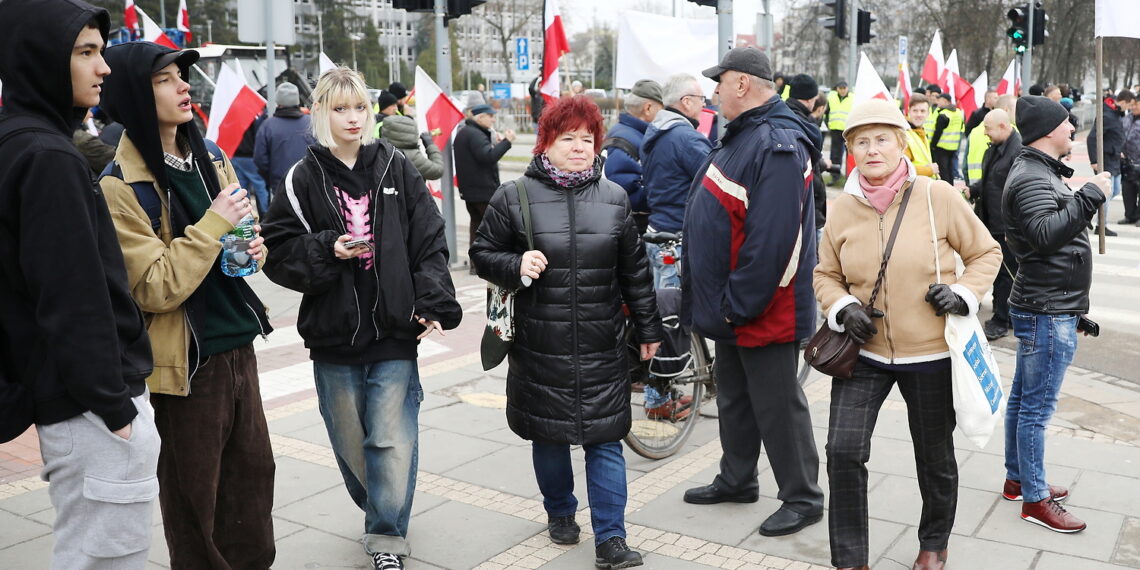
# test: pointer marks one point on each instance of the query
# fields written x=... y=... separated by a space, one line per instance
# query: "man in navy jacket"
x=623 y=144
x=751 y=240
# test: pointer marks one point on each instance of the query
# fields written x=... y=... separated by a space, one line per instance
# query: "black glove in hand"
x=857 y=322
x=426 y=138
x=945 y=300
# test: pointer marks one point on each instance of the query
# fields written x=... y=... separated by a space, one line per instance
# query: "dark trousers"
x=216 y=467
x=1003 y=283
x=760 y=402
x=855 y=405
x=476 y=210
x=945 y=161
x=1130 y=189
x=838 y=145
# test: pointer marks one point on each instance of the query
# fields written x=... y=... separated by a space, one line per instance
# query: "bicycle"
x=656 y=436
x=686 y=377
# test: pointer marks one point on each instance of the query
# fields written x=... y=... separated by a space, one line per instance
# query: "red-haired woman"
x=568 y=378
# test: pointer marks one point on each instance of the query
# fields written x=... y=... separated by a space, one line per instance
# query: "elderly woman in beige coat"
x=901 y=337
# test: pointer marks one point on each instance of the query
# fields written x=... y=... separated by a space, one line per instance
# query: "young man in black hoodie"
x=216 y=466
x=70 y=331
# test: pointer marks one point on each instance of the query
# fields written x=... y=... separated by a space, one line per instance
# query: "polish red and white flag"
x=960 y=90
x=131 y=18
x=152 y=32
x=1010 y=84
x=437 y=115
x=904 y=85
x=868 y=84
x=554 y=44
x=184 y=21
x=234 y=108
x=934 y=65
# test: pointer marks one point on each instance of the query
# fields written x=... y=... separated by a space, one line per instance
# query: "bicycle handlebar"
x=659 y=238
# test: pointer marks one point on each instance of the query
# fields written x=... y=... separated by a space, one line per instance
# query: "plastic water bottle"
x=236 y=260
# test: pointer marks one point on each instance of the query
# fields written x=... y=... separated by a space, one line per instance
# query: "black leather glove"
x=427 y=140
x=857 y=322
x=946 y=300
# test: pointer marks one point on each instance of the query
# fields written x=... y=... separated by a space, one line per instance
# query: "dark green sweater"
x=229 y=323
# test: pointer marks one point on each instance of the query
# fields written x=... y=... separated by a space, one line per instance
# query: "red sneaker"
x=1012 y=491
x=1051 y=515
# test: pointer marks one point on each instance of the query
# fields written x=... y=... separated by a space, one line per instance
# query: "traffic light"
x=455 y=8
x=863 y=33
x=1040 y=20
x=1019 y=29
x=837 y=21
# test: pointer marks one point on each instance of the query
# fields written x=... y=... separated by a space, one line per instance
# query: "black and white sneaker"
x=385 y=561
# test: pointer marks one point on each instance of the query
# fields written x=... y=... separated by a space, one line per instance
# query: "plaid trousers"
x=855 y=405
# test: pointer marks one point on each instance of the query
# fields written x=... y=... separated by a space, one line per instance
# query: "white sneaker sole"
x=1054 y=529
x=1019 y=498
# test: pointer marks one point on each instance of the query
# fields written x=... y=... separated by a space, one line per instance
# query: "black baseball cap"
x=184 y=58
x=743 y=59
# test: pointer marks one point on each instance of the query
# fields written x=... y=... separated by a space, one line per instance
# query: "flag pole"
x=1100 y=133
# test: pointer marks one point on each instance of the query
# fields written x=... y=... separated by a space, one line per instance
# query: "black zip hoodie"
x=72 y=330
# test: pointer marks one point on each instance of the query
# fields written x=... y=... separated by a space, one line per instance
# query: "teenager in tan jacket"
x=902 y=337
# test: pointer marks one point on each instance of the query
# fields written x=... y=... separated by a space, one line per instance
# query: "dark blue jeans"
x=371 y=412
x=605 y=484
x=1045 y=348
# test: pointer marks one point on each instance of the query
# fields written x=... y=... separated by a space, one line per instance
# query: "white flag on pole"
x=1117 y=18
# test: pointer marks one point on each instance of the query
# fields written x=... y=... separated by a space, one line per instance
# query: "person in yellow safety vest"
x=976 y=144
x=386 y=102
x=947 y=138
x=917 y=147
x=782 y=86
x=839 y=102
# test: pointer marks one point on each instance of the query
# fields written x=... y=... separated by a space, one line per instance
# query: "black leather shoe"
x=994 y=330
x=786 y=521
x=711 y=495
x=1126 y=222
x=615 y=553
x=1107 y=232
x=563 y=530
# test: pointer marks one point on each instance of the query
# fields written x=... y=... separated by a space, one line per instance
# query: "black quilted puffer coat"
x=568 y=379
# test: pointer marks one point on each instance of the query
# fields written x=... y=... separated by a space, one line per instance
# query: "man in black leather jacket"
x=1045 y=229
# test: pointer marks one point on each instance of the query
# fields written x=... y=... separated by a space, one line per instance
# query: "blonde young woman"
x=354 y=219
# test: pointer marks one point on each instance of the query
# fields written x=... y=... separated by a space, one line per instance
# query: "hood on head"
x=128 y=98
x=35 y=64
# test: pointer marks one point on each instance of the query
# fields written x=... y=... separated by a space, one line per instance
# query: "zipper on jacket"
x=326 y=190
x=884 y=296
x=574 y=317
x=376 y=250
x=264 y=335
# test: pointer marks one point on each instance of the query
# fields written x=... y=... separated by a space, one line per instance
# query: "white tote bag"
x=979 y=402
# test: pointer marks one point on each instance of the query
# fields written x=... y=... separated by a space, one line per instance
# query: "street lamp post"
x=355 y=37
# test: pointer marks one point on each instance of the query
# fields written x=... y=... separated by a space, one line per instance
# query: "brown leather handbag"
x=835 y=353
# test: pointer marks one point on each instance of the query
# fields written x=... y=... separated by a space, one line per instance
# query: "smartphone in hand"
x=354 y=243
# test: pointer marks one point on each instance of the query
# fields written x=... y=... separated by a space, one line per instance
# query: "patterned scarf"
x=565 y=178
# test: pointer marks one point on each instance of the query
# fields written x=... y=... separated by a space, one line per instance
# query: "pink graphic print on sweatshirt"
x=358 y=220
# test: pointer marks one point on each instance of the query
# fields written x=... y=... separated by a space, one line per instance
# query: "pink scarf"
x=882 y=196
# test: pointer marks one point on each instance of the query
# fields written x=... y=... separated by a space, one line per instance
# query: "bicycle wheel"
x=657 y=437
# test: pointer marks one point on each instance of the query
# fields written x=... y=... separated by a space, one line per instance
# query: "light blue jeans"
x=371 y=412
x=663 y=275
x=1045 y=348
x=252 y=181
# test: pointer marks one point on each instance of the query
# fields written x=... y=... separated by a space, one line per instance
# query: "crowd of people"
x=131 y=345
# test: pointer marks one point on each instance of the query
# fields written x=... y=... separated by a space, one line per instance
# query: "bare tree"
x=508 y=18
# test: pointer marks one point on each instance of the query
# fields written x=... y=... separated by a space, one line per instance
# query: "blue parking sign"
x=522 y=53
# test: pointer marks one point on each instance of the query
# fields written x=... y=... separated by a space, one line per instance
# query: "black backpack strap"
x=622 y=144
x=524 y=206
x=144 y=193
